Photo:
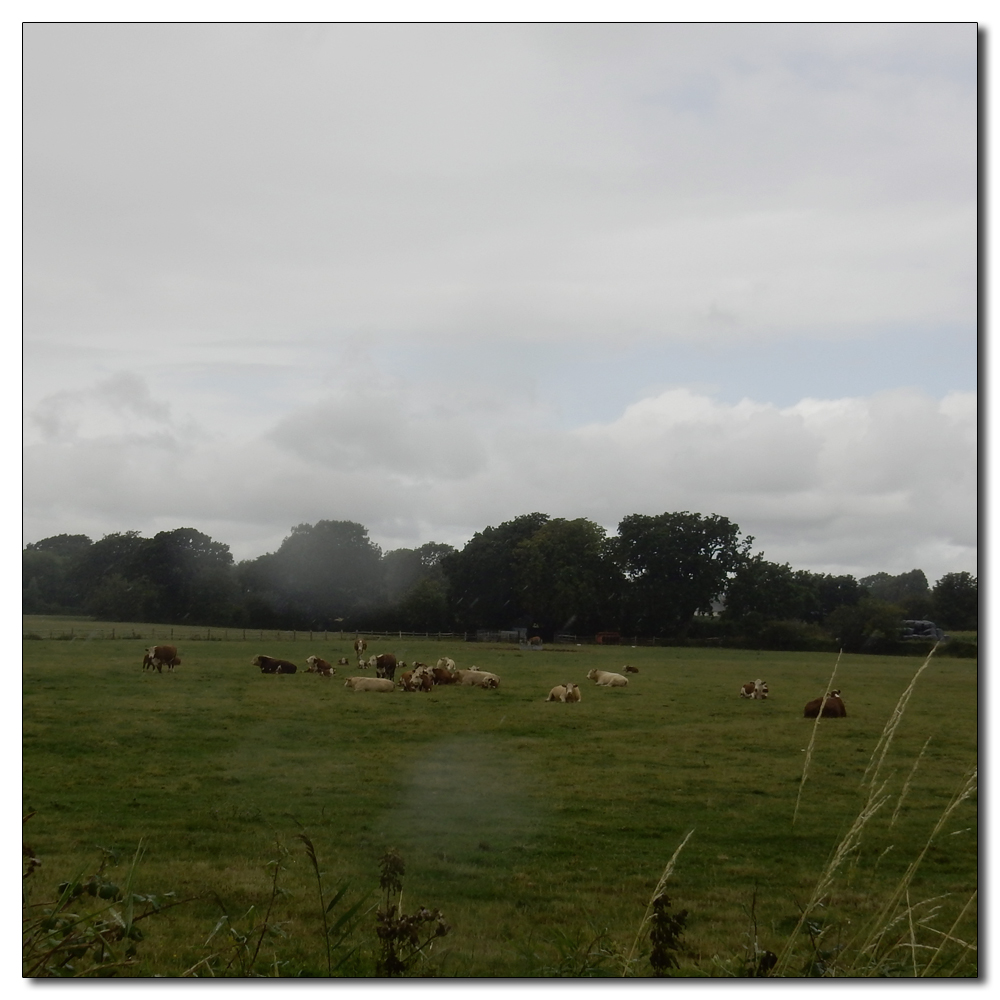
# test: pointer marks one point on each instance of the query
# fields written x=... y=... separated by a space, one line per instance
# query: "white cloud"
x=852 y=485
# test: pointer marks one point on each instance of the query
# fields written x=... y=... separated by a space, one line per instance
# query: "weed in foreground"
x=400 y=933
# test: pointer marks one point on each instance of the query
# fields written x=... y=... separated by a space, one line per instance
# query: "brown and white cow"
x=756 y=690
x=385 y=665
x=630 y=670
x=158 y=657
x=343 y=661
x=833 y=709
x=319 y=666
x=269 y=665
x=359 y=647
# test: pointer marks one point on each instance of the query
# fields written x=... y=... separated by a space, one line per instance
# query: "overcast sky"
x=430 y=277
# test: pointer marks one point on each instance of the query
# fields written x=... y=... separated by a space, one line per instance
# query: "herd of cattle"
x=423 y=677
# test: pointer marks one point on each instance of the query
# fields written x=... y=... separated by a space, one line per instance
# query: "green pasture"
x=533 y=826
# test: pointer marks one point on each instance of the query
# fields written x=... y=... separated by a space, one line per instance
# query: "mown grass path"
x=520 y=819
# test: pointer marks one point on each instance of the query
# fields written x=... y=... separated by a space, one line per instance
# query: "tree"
x=766 y=590
x=321 y=575
x=675 y=565
x=565 y=577
x=482 y=585
x=956 y=602
x=867 y=626
x=822 y=593
x=48 y=582
x=192 y=575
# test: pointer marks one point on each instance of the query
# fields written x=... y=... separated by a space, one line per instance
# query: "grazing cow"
x=321 y=667
x=269 y=665
x=370 y=684
x=342 y=662
x=478 y=678
x=756 y=690
x=447 y=663
x=558 y=693
x=158 y=657
x=833 y=709
x=605 y=678
x=385 y=665
x=630 y=670
x=360 y=646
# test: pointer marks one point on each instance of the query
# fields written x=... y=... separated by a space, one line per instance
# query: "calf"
x=369 y=684
x=630 y=670
x=605 y=678
x=342 y=662
x=318 y=666
x=269 y=665
x=833 y=709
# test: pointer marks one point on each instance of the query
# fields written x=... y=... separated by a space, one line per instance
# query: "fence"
x=191 y=633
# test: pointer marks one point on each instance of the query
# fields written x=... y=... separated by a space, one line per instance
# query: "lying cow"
x=321 y=667
x=756 y=690
x=343 y=661
x=630 y=670
x=269 y=665
x=369 y=684
x=833 y=709
x=158 y=657
x=443 y=676
x=385 y=665
x=447 y=663
x=567 y=692
x=478 y=678
x=605 y=678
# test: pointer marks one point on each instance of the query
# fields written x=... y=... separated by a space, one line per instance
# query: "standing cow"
x=158 y=657
x=385 y=666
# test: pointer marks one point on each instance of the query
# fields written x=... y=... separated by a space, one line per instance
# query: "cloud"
x=856 y=485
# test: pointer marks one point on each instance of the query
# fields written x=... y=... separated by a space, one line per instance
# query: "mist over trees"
x=671 y=575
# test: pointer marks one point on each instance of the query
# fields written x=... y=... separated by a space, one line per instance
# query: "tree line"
x=673 y=575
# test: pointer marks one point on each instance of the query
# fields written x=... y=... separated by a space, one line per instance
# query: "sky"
x=429 y=277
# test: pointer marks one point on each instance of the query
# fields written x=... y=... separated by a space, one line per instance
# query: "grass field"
x=535 y=827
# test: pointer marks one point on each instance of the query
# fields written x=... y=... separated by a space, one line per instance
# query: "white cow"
x=369 y=684
x=605 y=678
x=478 y=678
x=447 y=662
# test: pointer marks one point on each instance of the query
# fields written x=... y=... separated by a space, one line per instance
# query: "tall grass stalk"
x=812 y=738
x=906 y=784
x=849 y=844
x=884 y=919
x=885 y=740
x=657 y=892
x=950 y=936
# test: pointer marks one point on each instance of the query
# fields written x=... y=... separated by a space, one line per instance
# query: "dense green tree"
x=322 y=576
x=403 y=569
x=48 y=581
x=192 y=576
x=482 y=586
x=675 y=565
x=766 y=590
x=896 y=589
x=866 y=626
x=425 y=607
x=956 y=602
x=823 y=592
x=565 y=577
